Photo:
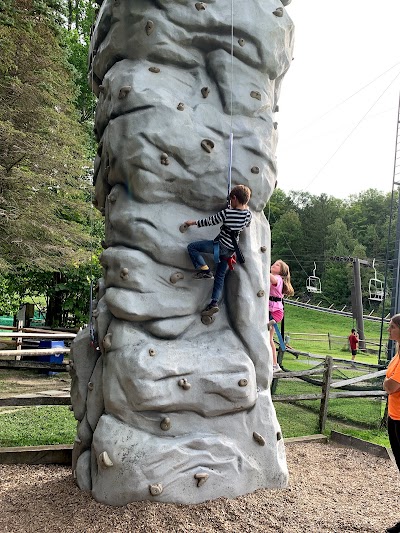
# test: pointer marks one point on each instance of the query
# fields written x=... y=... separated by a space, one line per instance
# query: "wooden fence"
x=26 y=344
x=371 y=345
x=327 y=384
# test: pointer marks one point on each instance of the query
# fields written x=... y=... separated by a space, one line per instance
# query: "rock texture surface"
x=170 y=409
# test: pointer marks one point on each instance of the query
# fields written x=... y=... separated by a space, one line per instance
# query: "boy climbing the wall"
x=234 y=219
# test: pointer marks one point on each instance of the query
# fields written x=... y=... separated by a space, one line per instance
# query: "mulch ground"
x=331 y=489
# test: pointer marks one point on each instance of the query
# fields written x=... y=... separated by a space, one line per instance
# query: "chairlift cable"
x=343 y=101
x=349 y=134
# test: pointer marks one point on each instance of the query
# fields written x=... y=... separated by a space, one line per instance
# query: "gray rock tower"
x=169 y=408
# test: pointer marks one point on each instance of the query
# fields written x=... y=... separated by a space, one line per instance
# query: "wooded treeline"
x=49 y=232
x=48 y=228
x=307 y=228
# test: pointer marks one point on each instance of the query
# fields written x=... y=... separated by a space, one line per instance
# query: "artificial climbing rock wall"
x=169 y=408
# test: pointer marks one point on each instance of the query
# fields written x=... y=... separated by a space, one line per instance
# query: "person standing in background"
x=353 y=340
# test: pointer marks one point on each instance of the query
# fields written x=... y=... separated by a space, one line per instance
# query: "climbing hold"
x=276 y=108
x=164 y=159
x=205 y=91
x=103 y=244
x=278 y=12
x=256 y=95
x=278 y=435
x=107 y=341
x=74 y=473
x=176 y=277
x=124 y=273
x=95 y=202
x=183 y=382
x=156 y=70
x=261 y=293
x=90 y=385
x=207 y=320
x=71 y=408
x=95 y=313
x=165 y=424
x=124 y=91
x=181 y=106
x=71 y=364
x=78 y=440
x=104 y=460
x=201 y=478
x=183 y=227
x=149 y=27
x=152 y=352
x=200 y=6
x=68 y=368
x=241 y=42
x=156 y=489
x=259 y=439
x=112 y=198
x=263 y=249
x=255 y=170
x=101 y=88
x=207 y=145
x=275 y=125
x=286 y=2
x=242 y=382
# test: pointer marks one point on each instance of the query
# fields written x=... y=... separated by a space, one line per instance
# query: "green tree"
x=44 y=152
x=287 y=238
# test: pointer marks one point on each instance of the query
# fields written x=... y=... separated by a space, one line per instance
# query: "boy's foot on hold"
x=276 y=368
x=271 y=324
x=210 y=310
x=203 y=274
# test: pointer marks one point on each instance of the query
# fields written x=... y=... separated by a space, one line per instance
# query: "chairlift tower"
x=395 y=299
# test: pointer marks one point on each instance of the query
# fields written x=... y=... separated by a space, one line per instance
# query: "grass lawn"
x=36 y=426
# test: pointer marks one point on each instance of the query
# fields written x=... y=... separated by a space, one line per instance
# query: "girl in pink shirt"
x=279 y=286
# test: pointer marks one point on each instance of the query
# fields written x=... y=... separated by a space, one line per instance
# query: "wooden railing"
x=327 y=385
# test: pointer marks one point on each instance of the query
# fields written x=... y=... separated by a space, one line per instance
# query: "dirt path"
x=21 y=382
x=332 y=489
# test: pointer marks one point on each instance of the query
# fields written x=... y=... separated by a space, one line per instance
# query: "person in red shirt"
x=391 y=385
x=353 y=340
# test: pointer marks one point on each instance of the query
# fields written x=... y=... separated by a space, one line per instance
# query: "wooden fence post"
x=329 y=341
x=323 y=410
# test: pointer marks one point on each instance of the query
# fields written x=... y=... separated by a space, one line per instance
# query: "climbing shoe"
x=203 y=274
x=210 y=310
x=394 y=529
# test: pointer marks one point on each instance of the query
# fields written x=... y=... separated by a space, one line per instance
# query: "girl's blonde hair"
x=285 y=275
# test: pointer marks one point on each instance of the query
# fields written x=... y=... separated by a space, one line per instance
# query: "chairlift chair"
x=376 y=287
x=314 y=283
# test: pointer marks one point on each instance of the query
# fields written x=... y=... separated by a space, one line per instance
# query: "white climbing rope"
x=231 y=110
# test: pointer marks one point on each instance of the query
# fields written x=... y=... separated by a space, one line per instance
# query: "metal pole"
x=358 y=306
x=395 y=300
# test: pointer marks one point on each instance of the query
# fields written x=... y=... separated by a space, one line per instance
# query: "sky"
x=338 y=106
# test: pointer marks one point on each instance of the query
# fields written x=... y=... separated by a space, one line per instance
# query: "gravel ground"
x=332 y=489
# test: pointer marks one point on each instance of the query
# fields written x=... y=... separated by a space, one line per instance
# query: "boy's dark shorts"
x=353 y=352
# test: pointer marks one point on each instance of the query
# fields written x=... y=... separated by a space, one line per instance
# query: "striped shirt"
x=234 y=219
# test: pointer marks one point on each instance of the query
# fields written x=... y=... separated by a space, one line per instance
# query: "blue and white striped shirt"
x=234 y=219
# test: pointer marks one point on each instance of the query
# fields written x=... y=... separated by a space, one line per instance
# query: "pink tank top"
x=276 y=290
